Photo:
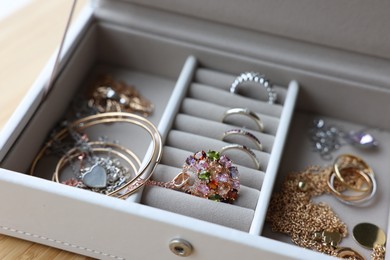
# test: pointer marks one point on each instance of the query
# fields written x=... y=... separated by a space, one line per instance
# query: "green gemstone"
x=205 y=175
x=213 y=155
x=215 y=197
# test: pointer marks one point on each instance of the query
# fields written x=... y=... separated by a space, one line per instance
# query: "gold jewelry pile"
x=315 y=225
x=117 y=96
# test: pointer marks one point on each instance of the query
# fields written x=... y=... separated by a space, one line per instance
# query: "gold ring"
x=347 y=160
x=348 y=253
x=360 y=197
x=244 y=149
x=244 y=133
x=246 y=112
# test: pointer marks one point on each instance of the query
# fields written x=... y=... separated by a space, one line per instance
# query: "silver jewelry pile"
x=328 y=138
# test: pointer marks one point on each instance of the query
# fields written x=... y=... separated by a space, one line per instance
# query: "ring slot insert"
x=200 y=125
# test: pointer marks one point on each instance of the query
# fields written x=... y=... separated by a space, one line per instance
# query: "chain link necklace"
x=312 y=225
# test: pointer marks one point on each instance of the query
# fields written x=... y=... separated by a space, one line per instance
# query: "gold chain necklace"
x=312 y=225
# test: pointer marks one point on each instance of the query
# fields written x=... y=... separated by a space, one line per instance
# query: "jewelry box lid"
x=359 y=26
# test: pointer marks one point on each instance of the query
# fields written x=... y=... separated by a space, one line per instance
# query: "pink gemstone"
x=203 y=189
x=224 y=189
x=234 y=172
x=201 y=165
x=222 y=177
x=236 y=184
x=225 y=161
x=200 y=155
x=190 y=160
x=71 y=182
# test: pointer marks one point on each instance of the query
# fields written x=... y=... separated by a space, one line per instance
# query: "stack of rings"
x=130 y=185
x=355 y=177
x=257 y=78
x=245 y=133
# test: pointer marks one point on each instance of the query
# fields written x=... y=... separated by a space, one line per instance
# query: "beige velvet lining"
x=199 y=208
x=199 y=125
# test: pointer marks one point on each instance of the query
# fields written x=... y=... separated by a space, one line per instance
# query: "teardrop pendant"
x=362 y=139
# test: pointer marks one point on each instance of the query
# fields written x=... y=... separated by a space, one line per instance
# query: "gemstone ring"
x=209 y=175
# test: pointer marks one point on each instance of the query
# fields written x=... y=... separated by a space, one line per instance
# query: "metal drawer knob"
x=180 y=247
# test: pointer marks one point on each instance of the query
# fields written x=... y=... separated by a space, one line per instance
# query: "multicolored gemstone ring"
x=208 y=175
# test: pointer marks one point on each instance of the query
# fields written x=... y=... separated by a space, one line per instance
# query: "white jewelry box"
x=168 y=48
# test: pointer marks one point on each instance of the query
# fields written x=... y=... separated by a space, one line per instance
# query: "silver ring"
x=247 y=134
x=244 y=149
x=245 y=112
x=255 y=77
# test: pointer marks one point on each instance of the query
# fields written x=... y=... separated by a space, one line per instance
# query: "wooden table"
x=27 y=40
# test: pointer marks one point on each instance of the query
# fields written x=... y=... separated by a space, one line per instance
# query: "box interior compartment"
x=299 y=154
x=349 y=90
x=88 y=63
x=152 y=66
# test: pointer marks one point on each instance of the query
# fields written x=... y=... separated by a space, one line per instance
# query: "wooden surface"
x=27 y=40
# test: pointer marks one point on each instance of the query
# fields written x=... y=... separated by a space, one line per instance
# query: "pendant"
x=95 y=177
x=362 y=139
x=327 y=138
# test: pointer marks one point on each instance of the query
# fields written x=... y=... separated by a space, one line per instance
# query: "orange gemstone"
x=213 y=184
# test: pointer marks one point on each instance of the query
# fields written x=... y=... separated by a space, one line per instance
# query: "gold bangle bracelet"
x=127 y=151
x=99 y=146
x=351 y=160
x=113 y=117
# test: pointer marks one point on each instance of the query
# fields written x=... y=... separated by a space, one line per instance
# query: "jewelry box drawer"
x=187 y=78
